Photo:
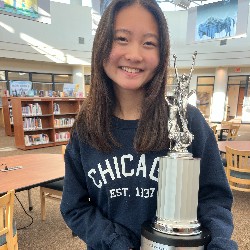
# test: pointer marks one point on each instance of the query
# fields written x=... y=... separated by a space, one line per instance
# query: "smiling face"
x=135 y=50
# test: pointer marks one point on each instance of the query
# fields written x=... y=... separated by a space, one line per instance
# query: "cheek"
x=114 y=56
x=110 y=64
x=153 y=61
x=116 y=53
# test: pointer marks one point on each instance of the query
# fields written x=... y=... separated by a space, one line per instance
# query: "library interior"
x=45 y=77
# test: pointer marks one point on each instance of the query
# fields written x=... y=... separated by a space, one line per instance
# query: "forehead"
x=136 y=18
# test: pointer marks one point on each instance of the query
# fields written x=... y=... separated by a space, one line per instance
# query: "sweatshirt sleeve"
x=81 y=216
x=215 y=196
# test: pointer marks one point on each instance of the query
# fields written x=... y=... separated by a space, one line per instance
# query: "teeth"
x=129 y=70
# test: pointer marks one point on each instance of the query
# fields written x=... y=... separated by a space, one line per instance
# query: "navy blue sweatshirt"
x=107 y=196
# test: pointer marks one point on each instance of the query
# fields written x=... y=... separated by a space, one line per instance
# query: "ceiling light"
x=182 y=3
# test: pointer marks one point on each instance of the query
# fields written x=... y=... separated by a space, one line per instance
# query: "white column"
x=76 y=2
x=87 y=3
x=78 y=77
x=219 y=96
x=192 y=86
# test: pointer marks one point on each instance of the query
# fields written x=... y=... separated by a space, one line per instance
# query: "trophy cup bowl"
x=176 y=225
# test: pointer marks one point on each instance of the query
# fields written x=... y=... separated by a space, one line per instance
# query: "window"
x=59 y=81
x=87 y=79
x=18 y=76
x=42 y=81
x=38 y=77
x=63 y=78
x=170 y=86
x=2 y=75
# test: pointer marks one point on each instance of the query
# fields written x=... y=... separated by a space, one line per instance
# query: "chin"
x=133 y=87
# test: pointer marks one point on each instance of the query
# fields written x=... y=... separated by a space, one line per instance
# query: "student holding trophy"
x=121 y=131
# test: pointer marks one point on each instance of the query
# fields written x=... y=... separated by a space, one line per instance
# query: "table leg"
x=221 y=133
x=30 y=201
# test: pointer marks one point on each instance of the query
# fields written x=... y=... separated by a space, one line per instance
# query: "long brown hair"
x=93 y=124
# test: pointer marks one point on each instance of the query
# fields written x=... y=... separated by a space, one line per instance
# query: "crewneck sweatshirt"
x=107 y=196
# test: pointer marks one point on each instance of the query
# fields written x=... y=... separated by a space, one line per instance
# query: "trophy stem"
x=176 y=225
x=177 y=199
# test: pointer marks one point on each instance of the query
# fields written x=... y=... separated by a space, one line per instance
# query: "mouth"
x=131 y=70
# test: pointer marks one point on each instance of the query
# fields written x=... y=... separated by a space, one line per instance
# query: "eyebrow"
x=130 y=33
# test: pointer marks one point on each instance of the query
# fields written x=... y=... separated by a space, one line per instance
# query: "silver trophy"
x=176 y=225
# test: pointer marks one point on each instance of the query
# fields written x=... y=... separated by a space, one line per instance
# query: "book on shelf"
x=36 y=139
x=32 y=123
x=32 y=109
x=62 y=136
x=64 y=122
x=56 y=109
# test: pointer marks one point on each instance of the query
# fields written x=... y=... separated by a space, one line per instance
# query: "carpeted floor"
x=53 y=234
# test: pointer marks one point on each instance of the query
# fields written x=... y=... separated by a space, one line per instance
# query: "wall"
x=56 y=42
x=33 y=66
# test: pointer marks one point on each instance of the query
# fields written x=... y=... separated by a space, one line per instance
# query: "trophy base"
x=154 y=240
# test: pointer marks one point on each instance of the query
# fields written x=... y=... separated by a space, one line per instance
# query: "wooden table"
x=239 y=145
x=37 y=169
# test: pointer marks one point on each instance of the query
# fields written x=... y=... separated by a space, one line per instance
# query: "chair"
x=8 y=231
x=233 y=132
x=238 y=169
x=52 y=190
x=225 y=126
x=213 y=127
x=226 y=123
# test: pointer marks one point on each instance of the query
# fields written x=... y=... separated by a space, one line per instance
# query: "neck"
x=129 y=105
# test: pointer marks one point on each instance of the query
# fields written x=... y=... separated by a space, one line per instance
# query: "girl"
x=111 y=179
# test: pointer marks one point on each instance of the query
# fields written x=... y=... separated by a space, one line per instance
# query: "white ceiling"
x=172 y=5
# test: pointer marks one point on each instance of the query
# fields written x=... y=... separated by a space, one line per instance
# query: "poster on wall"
x=218 y=21
x=20 y=88
x=36 y=10
x=70 y=88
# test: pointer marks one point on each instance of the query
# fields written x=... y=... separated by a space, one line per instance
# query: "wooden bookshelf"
x=43 y=121
x=7 y=114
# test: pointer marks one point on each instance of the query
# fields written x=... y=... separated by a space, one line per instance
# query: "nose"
x=134 y=53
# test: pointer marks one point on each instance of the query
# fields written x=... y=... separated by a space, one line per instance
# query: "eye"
x=150 y=44
x=121 y=39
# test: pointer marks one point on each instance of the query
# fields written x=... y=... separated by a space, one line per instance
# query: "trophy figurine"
x=176 y=225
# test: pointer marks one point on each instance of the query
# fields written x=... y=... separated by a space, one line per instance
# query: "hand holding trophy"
x=176 y=225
